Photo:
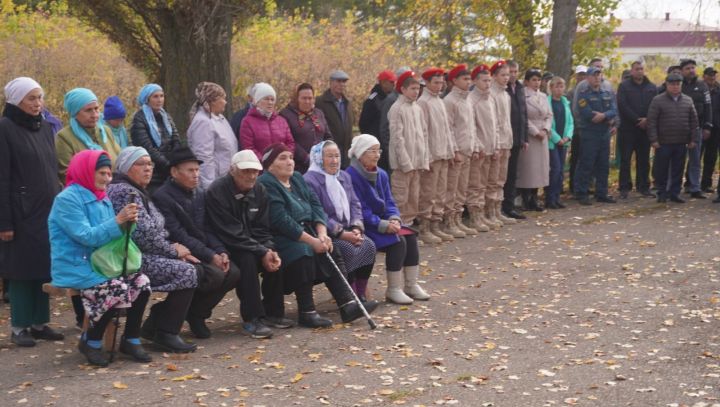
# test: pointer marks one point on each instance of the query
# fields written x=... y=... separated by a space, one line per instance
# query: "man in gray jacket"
x=672 y=126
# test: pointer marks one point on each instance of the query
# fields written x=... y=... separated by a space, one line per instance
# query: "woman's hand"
x=326 y=241
x=353 y=236
x=127 y=214
x=318 y=246
x=394 y=227
x=182 y=251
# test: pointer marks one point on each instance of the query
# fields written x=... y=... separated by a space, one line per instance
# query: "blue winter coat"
x=78 y=225
x=378 y=206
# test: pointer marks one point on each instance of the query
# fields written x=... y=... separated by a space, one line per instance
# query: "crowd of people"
x=275 y=201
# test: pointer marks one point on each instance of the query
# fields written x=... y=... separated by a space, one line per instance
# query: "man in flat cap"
x=336 y=107
x=672 y=129
x=700 y=94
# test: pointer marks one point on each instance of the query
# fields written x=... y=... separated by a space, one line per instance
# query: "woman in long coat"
x=307 y=124
x=28 y=185
x=534 y=162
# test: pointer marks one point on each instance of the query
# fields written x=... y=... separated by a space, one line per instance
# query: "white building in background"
x=673 y=38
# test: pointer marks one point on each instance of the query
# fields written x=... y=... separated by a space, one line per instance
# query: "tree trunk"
x=193 y=52
x=519 y=14
x=562 y=37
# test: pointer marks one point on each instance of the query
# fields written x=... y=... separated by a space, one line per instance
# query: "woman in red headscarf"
x=82 y=220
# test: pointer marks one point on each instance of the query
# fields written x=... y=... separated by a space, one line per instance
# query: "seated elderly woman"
x=168 y=265
x=382 y=221
x=85 y=131
x=82 y=220
x=334 y=188
x=298 y=224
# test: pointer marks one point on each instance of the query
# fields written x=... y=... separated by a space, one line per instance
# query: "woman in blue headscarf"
x=85 y=131
x=113 y=116
x=153 y=129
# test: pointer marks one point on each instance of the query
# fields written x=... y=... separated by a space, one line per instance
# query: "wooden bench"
x=111 y=329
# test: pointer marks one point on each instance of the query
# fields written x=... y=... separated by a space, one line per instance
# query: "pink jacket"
x=257 y=132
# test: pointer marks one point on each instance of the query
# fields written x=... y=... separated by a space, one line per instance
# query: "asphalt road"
x=609 y=305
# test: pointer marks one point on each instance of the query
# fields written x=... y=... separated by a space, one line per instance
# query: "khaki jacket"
x=408 y=136
x=441 y=143
x=461 y=120
x=486 y=128
x=502 y=109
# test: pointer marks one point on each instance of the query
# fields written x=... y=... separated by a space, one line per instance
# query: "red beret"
x=387 y=75
x=405 y=75
x=430 y=72
x=478 y=69
x=497 y=65
x=457 y=71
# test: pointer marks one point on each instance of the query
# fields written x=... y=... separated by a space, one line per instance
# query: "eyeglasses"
x=144 y=164
x=375 y=151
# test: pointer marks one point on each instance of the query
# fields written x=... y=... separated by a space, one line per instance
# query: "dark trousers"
x=508 y=203
x=634 y=141
x=29 y=305
x=669 y=163
x=404 y=253
x=247 y=287
x=574 y=157
x=557 y=176
x=213 y=284
x=168 y=316
x=710 y=154
x=593 y=162
x=133 y=319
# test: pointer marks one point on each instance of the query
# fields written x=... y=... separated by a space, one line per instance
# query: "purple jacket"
x=306 y=134
x=316 y=181
x=257 y=132
x=378 y=206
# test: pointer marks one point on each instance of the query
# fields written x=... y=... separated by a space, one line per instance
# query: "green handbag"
x=108 y=259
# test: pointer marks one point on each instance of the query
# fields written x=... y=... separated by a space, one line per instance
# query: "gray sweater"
x=670 y=121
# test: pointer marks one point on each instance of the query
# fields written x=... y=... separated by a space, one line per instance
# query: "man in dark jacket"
x=519 y=122
x=237 y=117
x=182 y=203
x=712 y=144
x=338 y=113
x=700 y=94
x=633 y=100
x=672 y=129
x=384 y=136
x=370 y=115
x=237 y=210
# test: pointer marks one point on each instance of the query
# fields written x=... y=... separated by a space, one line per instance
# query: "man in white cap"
x=237 y=212
x=338 y=113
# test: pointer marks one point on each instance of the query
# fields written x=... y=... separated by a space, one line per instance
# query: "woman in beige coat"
x=534 y=163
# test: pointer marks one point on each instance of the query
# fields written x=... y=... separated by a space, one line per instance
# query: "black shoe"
x=677 y=199
x=198 y=328
x=147 y=330
x=606 y=199
x=623 y=194
x=24 y=339
x=351 y=311
x=313 y=320
x=661 y=199
x=256 y=330
x=647 y=193
x=277 y=322
x=514 y=214
x=173 y=343
x=708 y=190
x=369 y=305
x=137 y=352
x=716 y=200
x=560 y=205
x=585 y=201
x=47 y=334
x=552 y=205
x=697 y=195
x=96 y=357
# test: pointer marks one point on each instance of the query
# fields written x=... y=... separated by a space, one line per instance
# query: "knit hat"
x=246 y=159
x=114 y=109
x=103 y=161
x=478 y=69
x=261 y=90
x=272 y=152
x=360 y=144
x=18 y=88
x=127 y=158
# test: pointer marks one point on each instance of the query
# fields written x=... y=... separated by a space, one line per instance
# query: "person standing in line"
x=561 y=133
x=369 y=122
x=519 y=120
x=338 y=112
x=700 y=94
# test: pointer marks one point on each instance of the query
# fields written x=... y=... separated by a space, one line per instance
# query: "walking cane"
x=133 y=195
x=347 y=284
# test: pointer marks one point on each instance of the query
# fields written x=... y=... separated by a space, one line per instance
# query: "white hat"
x=261 y=90
x=360 y=144
x=18 y=88
x=581 y=69
x=246 y=159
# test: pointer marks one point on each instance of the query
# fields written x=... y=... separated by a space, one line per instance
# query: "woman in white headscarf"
x=28 y=185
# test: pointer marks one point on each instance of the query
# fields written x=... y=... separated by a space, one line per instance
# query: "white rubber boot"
x=412 y=288
x=394 y=292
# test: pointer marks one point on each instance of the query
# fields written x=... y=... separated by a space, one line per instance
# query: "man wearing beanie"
x=338 y=113
x=462 y=125
x=114 y=116
x=442 y=151
x=408 y=146
x=486 y=136
x=370 y=115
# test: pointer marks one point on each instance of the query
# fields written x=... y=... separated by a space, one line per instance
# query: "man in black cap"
x=672 y=125
x=182 y=203
x=700 y=94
